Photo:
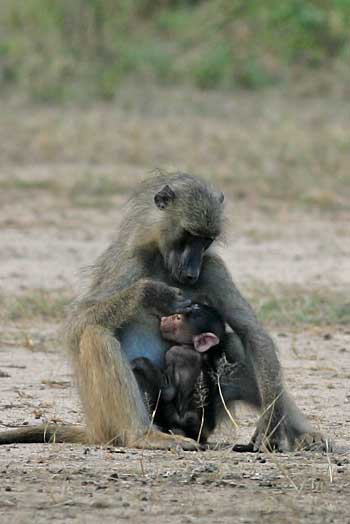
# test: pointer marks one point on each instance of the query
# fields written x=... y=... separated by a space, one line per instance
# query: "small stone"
x=114 y=476
x=100 y=504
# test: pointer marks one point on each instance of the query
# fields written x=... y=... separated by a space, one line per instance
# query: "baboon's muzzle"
x=191 y=262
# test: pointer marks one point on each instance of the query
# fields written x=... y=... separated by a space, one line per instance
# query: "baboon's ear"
x=205 y=341
x=163 y=198
x=221 y=197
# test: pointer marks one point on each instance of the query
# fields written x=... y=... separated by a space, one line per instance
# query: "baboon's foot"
x=245 y=448
x=264 y=442
x=216 y=446
x=261 y=446
x=313 y=441
x=158 y=440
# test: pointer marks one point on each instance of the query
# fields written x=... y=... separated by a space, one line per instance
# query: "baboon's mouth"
x=188 y=278
x=183 y=274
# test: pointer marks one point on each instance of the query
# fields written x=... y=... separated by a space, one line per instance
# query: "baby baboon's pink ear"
x=205 y=341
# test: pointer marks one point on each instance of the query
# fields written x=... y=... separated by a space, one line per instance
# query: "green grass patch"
x=58 y=49
x=95 y=190
x=295 y=306
x=86 y=189
x=16 y=183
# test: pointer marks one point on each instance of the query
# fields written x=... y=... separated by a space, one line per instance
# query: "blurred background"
x=252 y=95
x=60 y=50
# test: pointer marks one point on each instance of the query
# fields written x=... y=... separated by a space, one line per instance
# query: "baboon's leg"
x=238 y=380
x=243 y=385
x=109 y=392
x=112 y=401
x=279 y=415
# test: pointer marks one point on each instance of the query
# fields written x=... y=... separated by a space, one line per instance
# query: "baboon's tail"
x=45 y=433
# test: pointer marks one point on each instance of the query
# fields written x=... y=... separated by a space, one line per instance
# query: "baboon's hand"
x=269 y=444
x=265 y=439
x=166 y=300
x=177 y=303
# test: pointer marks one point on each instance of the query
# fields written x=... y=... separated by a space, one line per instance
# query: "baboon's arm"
x=115 y=308
x=242 y=319
x=280 y=417
x=262 y=362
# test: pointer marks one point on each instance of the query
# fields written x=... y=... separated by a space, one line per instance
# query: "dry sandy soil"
x=64 y=176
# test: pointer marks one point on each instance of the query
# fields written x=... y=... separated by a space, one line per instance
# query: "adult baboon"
x=165 y=241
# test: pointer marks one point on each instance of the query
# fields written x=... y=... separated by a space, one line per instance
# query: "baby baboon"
x=183 y=395
x=165 y=241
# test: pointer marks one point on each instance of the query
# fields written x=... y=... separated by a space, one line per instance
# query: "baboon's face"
x=192 y=221
x=184 y=257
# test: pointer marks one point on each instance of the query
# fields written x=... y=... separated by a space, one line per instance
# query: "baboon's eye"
x=207 y=242
x=190 y=237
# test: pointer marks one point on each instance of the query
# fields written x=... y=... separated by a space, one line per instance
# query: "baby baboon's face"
x=176 y=328
x=200 y=325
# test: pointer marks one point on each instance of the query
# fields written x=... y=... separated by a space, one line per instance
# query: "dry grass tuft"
x=34 y=305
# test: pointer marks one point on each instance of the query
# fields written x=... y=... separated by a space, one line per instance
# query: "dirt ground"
x=54 y=219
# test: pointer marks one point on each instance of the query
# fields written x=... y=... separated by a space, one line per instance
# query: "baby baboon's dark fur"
x=163 y=242
x=182 y=397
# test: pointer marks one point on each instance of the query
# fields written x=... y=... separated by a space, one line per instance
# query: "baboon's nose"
x=190 y=278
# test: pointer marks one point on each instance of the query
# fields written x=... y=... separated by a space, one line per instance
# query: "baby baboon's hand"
x=166 y=300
